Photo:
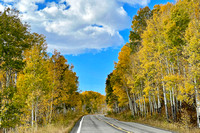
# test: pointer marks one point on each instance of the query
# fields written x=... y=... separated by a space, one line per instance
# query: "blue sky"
x=93 y=68
x=89 y=33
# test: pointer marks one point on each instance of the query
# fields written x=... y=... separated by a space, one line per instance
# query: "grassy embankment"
x=157 y=121
x=60 y=124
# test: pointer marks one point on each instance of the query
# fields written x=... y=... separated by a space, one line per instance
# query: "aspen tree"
x=14 y=36
x=192 y=50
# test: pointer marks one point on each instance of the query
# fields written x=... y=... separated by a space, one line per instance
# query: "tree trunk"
x=64 y=109
x=141 y=103
x=155 y=104
x=145 y=112
x=15 y=78
x=130 y=102
x=165 y=101
x=174 y=105
x=171 y=104
x=135 y=106
x=7 y=79
x=51 y=107
x=159 y=104
x=173 y=97
x=150 y=105
x=116 y=107
x=197 y=103
x=32 y=115
x=36 y=109
x=164 y=95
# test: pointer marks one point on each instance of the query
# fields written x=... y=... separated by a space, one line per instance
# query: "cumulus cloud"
x=76 y=26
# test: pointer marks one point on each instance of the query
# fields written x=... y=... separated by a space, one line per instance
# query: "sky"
x=89 y=33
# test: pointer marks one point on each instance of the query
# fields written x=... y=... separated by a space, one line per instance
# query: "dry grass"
x=52 y=129
x=176 y=127
x=61 y=124
x=158 y=122
x=60 y=127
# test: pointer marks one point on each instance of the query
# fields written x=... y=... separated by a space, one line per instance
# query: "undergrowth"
x=157 y=121
x=60 y=124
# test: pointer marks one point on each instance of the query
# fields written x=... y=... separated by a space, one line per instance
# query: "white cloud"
x=8 y=0
x=77 y=26
x=1 y=7
x=27 y=5
x=134 y=2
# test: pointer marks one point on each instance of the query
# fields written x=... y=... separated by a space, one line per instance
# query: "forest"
x=158 y=71
x=36 y=88
x=157 y=74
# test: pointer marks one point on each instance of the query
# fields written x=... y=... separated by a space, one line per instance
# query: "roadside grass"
x=155 y=121
x=60 y=124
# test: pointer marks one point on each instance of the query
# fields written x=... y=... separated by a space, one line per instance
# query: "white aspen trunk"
x=145 y=112
x=164 y=94
x=7 y=79
x=140 y=97
x=165 y=101
x=135 y=106
x=168 y=72
x=140 y=104
x=142 y=108
x=197 y=103
x=36 y=109
x=173 y=97
x=155 y=104
x=32 y=116
x=159 y=104
x=174 y=105
x=171 y=104
x=150 y=105
x=130 y=102
x=129 y=98
x=12 y=79
x=15 y=78
x=116 y=107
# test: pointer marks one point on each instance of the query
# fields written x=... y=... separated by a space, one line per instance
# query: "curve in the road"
x=102 y=124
